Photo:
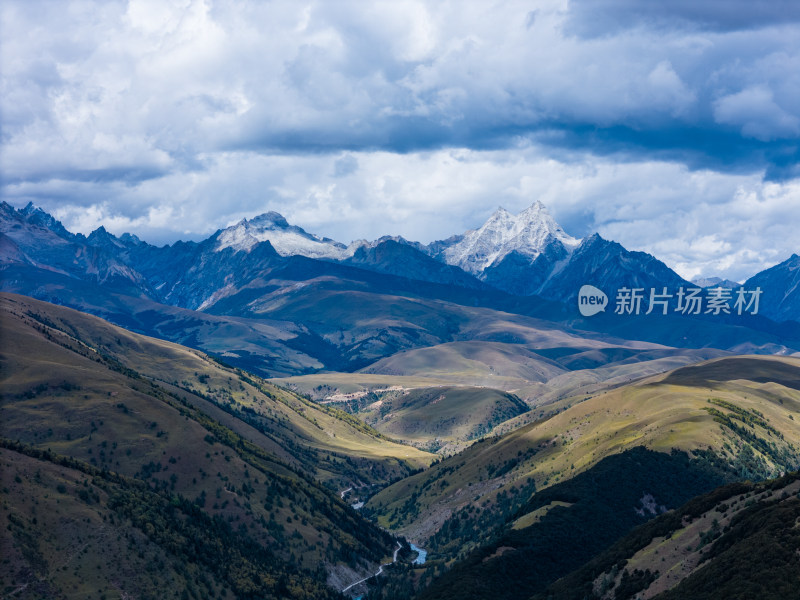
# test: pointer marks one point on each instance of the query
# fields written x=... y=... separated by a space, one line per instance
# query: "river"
x=422 y=555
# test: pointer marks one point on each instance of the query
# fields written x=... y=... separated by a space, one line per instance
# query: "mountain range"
x=524 y=255
x=451 y=393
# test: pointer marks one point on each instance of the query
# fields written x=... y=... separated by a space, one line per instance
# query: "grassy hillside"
x=238 y=448
x=564 y=525
x=739 y=542
x=441 y=419
x=385 y=391
x=477 y=363
x=75 y=531
x=751 y=424
x=303 y=433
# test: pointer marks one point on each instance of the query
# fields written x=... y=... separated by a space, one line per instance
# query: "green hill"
x=750 y=424
x=739 y=542
x=443 y=419
x=565 y=525
x=190 y=430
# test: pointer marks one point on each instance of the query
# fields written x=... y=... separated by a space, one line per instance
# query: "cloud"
x=755 y=111
x=190 y=77
x=603 y=17
x=699 y=222
x=344 y=166
x=418 y=118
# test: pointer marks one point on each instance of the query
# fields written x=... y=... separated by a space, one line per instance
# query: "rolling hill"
x=743 y=409
x=151 y=417
x=441 y=419
x=740 y=541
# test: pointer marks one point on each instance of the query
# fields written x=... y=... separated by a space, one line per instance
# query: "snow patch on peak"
x=288 y=240
x=527 y=233
x=269 y=220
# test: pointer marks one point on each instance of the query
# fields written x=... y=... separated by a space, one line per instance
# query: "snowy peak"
x=527 y=233
x=287 y=239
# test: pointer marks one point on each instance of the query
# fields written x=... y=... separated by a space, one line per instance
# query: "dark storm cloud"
x=177 y=117
x=592 y=18
x=165 y=85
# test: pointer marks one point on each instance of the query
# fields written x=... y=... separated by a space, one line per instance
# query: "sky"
x=670 y=127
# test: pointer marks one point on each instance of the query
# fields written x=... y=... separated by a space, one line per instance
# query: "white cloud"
x=699 y=223
x=755 y=111
x=361 y=119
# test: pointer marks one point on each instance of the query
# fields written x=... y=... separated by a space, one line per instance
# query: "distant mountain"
x=530 y=254
x=33 y=237
x=558 y=273
x=403 y=259
x=608 y=266
x=265 y=269
x=780 y=286
x=706 y=282
x=287 y=240
x=527 y=234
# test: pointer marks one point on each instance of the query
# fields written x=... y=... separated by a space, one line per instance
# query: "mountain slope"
x=566 y=524
x=527 y=234
x=780 y=286
x=396 y=258
x=740 y=541
x=34 y=238
x=239 y=448
x=75 y=531
x=608 y=266
x=285 y=423
x=745 y=409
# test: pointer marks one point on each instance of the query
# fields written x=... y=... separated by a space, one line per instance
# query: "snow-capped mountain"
x=527 y=234
x=286 y=239
x=523 y=255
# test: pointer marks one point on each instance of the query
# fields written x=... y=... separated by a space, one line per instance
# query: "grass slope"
x=740 y=541
x=753 y=425
x=441 y=419
x=585 y=515
x=82 y=388
x=329 y=444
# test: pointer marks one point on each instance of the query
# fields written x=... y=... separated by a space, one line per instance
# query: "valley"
x=317 y=412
